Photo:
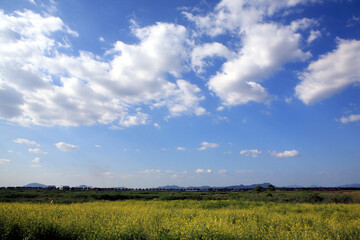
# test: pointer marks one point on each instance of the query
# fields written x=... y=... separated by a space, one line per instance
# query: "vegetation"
x=28 y=214
x=179 y=219
x=59 y=196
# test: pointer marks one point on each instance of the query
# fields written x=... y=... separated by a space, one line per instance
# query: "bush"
x=258 y=188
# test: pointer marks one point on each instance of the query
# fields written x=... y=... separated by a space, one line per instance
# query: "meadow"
x=179 y=219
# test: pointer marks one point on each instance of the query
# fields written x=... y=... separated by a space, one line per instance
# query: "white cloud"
x=43 y=86
x=185 y=99
x=3 y=160
x=151 y=171
x=107 y=174
x=208 y=50
x=220 y=108
x=266 y=48
x=314 y=34
x=350 y=118
x=331 y=73
x=236 y=16
x=251 y=152
x=36 y=160
x=157 y=125
x=203 y=170
x=138 y=119
x=97 y=146
x=26 y=141
x=206 y=145
x=10 y=151
x=222 y=171
x=101 y=39
x=65 y=147
x=180 y=148
x=37 y=151
x=285 y=154
x=303 y=24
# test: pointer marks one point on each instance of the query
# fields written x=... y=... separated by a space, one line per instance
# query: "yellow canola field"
x=179 y=220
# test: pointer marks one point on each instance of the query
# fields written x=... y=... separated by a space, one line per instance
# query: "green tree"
x=270 y=187
x=258 y=188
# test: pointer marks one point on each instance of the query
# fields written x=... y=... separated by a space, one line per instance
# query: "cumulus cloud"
x=66 y=147
x=4 y=160
x=37 y=151
x=48 y=87
x=26 y=141
x=206 y=145
x=222 y=171
x=206 y=51
x=180 y=148
x=236 y=16
x=285 y=154
x=266 y=48
x=350 y=118
x=331 y=73
x=36 y=160
x=251 y=152
x=138 y=119
x=203 y=170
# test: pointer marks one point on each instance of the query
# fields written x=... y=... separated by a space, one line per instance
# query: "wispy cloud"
x=36 y=160
x=350 y=118
x=181 y=148
x=206 y=145
x=66 y=147
x=199 y=170
x=151 y=171
x=26 y=141
x=4 y=160
x=285 y=154
x=251 y=152
x=37 y=151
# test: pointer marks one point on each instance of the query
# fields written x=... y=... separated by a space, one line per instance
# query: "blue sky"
x=153 y=93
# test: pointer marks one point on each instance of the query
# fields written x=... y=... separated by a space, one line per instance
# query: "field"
x=183 y=219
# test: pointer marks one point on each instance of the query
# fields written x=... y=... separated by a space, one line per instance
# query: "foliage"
x=179 y=219
x=59 y=196
x=258 y=188
x=270 y=187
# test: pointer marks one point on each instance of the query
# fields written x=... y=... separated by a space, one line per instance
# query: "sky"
x=151 y=93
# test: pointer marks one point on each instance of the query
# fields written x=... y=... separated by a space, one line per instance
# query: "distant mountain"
x=353 y=185
x=170 y=187
x=36 y=185
x=264 y=185
x=292 y=186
